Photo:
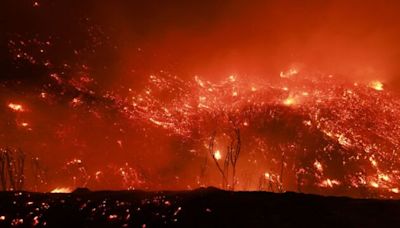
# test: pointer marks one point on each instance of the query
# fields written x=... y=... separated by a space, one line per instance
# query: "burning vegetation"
x=333 y=137
x=80 y=122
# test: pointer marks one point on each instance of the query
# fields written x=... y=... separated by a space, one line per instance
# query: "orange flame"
x=16 y=107
x=61 y=190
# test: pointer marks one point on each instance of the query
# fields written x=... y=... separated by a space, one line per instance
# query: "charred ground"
x=198 y=208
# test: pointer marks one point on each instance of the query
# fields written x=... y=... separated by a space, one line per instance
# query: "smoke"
x=217 y=38
x=85 y=60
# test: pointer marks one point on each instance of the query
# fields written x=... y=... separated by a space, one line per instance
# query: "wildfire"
x=333 y=127
x=327 y=106
x=329 y=183
x=16 y=107
x=289 y=101
x=74 y=161
x=217 y=155
x=318 y=166
x=76 y=102
x=376 y=85
x=98 y=174
x=374 y=184
x=23 y=124
x=308 y=129
x=289 y=73
x=61 y=190
x=383 y=177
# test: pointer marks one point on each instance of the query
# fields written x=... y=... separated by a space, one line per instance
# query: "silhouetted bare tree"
x=202 y=180
x=230 y=160
x=265 y=183
x=3 y=164
x=233 y=153
x=12 y=166
x=38 y=172
x=213 y=155
x=270 y=182
x=280 y=180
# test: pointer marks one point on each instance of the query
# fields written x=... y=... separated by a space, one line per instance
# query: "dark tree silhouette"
x=228 y=168
x=38 y=172
x=12 y=167
x=221 y=170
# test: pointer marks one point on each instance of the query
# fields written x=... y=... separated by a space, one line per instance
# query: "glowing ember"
x=112 y=217
x=98 y=174
x=17 y=222
x=24 y=124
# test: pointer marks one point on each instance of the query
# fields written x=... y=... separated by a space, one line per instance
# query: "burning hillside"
x=307 y=132
x=89 y=101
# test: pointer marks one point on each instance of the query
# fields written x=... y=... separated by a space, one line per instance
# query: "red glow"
x=101 y=100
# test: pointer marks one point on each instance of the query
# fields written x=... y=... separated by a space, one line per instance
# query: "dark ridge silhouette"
x=204 y=207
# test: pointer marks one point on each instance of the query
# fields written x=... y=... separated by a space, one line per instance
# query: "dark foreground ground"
x=200 y=208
